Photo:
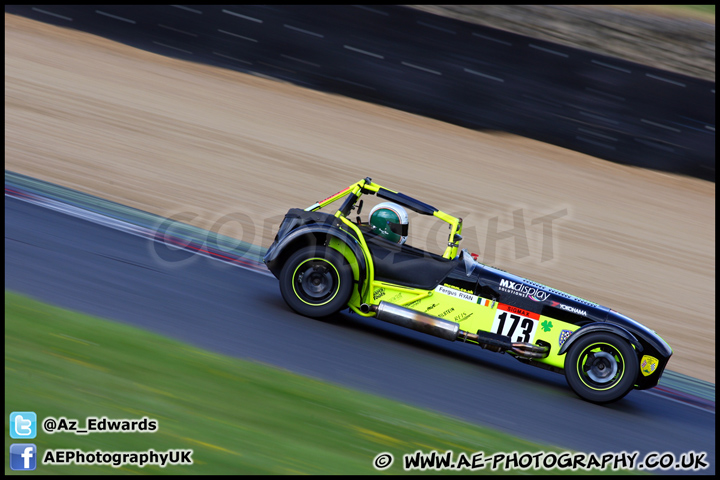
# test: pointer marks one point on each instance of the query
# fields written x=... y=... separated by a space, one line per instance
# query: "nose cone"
x=641 y=331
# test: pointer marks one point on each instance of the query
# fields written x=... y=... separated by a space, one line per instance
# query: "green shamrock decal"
x=546 y=325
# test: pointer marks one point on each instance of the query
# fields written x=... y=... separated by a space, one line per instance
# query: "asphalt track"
x=80 y=265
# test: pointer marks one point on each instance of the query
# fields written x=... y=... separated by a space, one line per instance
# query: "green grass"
x=708 y=9
x=702 y=12
x=237 y=416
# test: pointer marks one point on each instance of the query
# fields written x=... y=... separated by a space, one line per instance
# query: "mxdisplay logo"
x=523 y=290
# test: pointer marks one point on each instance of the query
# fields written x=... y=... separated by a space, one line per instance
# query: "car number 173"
x=515 y=323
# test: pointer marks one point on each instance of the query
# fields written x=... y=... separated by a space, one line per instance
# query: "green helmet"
x=390 y=221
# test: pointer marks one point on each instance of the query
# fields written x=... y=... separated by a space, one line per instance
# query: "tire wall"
x=462 y=73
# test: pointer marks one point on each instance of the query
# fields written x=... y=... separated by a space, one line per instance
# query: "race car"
x=326 y=262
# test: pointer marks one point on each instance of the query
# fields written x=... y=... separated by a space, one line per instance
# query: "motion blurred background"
x=467 y=74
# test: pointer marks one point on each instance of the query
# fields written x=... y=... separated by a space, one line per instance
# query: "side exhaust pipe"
x=421 y=322
x=445 y=329
x=528 y=350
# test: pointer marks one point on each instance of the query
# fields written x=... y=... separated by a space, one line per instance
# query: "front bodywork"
x=456 y=288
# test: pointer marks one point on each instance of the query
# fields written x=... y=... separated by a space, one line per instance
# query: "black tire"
x=601 y=367
x=316 y=281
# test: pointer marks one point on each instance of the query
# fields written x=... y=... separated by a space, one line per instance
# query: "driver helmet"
x=390 y=221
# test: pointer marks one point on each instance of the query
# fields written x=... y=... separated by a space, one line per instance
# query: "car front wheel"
x=601 y=367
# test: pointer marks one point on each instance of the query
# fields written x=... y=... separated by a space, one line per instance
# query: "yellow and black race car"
x=326 y=262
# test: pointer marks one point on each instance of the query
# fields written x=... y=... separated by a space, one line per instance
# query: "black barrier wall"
x=466 y=74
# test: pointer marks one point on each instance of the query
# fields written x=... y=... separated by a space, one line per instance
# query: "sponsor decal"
x=540 y=287
x=568 y=308
x=648 y=365
x=446 y=312
x=564 y=335
x=546 y=325
x=379 y=293
x=560 y=293
x=519 y=311
x=462 y=316
x=523 y=290
x=430 y=307
x=395 y=297
x=459 y=288
x=452 y=292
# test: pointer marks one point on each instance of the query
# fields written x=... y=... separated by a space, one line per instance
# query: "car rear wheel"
x=316 y=281
x=601 y=367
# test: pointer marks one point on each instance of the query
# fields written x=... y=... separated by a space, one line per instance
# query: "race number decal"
x=516 y=323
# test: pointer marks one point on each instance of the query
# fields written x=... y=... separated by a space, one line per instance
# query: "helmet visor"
x=398 y=228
